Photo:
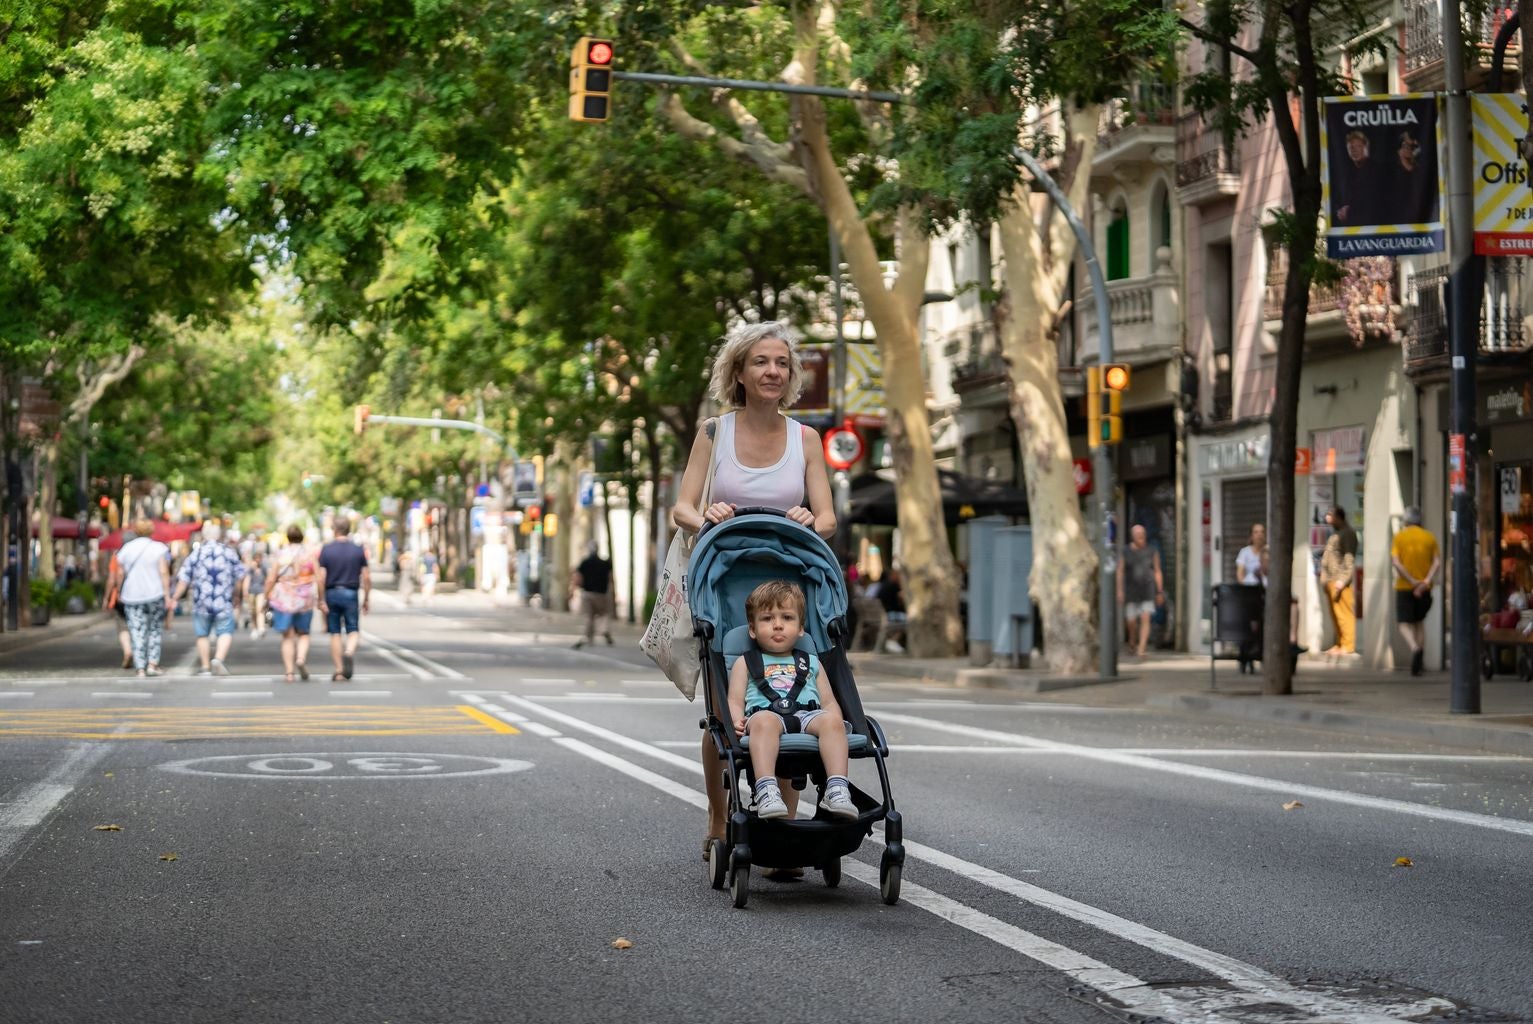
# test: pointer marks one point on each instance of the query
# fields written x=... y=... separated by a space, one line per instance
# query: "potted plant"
x=42 y=590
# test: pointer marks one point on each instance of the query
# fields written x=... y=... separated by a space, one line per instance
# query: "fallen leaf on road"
x=1292 y=805
x=1403 y=862
x=169 y=856
x=621 y=944
x=108 y=828
x=110 y=774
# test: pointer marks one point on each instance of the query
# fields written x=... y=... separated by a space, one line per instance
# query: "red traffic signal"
x=104 y=501
x=1115 y=377
x=598 y=51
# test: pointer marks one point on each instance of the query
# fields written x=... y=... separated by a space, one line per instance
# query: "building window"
x=1118 y=245
x=1162 y=221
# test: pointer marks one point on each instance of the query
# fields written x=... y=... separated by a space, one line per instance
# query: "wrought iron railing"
x=1203 y=151
x=1503 y=310
x=1150 y=103
x=1424 y=32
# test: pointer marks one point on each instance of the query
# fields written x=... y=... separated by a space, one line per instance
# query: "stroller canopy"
x=739 y=554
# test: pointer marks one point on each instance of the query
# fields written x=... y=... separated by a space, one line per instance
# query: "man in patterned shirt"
x=215 y=575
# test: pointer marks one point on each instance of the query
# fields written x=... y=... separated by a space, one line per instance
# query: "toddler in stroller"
x=773 y=692
x=730 y=562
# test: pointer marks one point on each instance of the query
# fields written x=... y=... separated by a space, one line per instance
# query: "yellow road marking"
x=493 y=723
x=225 y=722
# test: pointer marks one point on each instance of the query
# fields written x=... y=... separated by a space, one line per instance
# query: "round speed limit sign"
x=843 y=446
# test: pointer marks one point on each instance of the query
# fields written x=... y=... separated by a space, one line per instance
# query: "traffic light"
x=1115 y=377
x=591 y=80
x=1104 y=403
x=362 y=413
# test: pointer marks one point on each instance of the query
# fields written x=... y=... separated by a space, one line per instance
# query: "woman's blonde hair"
x=143 y=526
x=725 y=384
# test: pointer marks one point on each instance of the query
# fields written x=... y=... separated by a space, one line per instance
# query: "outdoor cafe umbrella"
x=163 y=532
x=69 y=529
x=963 y=498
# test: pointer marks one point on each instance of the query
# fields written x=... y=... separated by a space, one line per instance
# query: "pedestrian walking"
x=405 y=570
x=1336 y=566
x=255 y=590
x=1416 y=558
x=119 y=610
x=428 y=575
x=593 y=577
x=292 y=592
x=215 y=577
x=345 y=586
x=146 y=595
x=755 y=455
x=1141 y=587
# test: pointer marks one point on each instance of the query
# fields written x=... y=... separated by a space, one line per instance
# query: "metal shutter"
x=1242 y=503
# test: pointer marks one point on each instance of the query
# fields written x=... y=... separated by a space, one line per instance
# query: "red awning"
x=69 y=529
x=163 y=532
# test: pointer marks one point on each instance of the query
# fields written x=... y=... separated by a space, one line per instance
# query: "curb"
x=975 y=678
x=63 y=626
x=1488 y=738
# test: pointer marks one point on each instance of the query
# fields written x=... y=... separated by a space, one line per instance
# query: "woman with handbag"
x=114 y=604
x=292 y=591
x=753 y=455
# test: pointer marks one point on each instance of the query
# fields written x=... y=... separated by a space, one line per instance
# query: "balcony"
x=982 y=371
x=1145 y=312
x=1423 y=52
x=1207 y=162
x=1503 y=334
x=1363 y=305
x=1138 y=129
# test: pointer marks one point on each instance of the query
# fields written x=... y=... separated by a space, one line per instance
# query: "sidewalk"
x=58 y=625
x=1336 y=697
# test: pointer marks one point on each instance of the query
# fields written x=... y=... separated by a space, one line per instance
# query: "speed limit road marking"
x=346 y=766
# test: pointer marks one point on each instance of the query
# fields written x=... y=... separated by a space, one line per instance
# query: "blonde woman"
x=760 y=458
x=146 y=595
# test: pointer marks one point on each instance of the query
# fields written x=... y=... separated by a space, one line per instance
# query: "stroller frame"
x=817 y=843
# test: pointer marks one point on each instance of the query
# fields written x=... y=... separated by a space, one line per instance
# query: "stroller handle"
x=749 y=510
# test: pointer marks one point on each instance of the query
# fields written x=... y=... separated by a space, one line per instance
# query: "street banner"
x=1503 y=203
x=1379 y=175
x=864 y=384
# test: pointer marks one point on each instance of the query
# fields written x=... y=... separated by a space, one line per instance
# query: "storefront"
x=1505 y=499
x=1230 y=482
x=1145 y=467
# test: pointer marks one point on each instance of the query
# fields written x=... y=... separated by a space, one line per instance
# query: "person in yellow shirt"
x=1416 y=559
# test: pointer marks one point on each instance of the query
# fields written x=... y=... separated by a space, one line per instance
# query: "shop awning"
x=163 y=532
x=963 y=498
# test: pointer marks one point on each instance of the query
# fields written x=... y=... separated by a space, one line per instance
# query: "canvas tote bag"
x=668 y=640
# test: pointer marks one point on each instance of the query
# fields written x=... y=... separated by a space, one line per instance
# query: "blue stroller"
x=730 y=560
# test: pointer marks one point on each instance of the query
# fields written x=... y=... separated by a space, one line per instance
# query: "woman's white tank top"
x=779 y=486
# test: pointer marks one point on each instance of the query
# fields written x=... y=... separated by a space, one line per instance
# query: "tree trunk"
x=47 y=498
x=1277 y=660
x=1038 y=257
x=557 y=596
x=926 y=561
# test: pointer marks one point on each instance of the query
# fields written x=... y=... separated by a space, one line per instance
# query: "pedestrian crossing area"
x=184 y=723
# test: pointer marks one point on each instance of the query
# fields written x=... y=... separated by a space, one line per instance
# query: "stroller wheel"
x=832 y=873
x=739 y=879
x=718 y=863
x=890 y=868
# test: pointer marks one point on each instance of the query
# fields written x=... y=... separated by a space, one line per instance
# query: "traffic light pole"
x=1107 y=603
x=753 y=86
x=1464 y=292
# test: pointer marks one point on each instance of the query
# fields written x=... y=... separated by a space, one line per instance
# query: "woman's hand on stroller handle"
x=719 y=511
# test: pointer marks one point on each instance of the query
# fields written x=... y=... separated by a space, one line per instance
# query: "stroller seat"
x=736 y=642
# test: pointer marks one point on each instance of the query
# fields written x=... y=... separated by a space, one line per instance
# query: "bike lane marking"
x=1291 y=789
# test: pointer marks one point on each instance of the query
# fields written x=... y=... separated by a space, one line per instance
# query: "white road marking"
x=32 y=804
x=130 y=694
x=1333 y=755
x=1512 y=825
x=1238 y=973
x=548 y=682
x=649 y=682
x=398 y=662
x=1257 y=987
x=361 y=693
x=692 y=764
x=441 y=670
x=17 y=693
x=484 y=705
x=243 y=693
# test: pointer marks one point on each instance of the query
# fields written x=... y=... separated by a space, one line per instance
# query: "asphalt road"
x=462 y=832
